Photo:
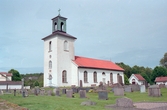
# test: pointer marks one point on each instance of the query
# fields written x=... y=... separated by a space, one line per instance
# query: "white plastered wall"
x=99 y=76
x=50 y=56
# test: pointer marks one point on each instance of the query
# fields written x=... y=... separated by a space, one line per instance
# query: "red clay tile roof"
x=96 y=63
x=59 y=33
x=161 y=79
x=5 y=74
x=139 y=77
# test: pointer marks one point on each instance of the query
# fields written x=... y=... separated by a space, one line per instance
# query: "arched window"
x=95 y=77
x=119 y=79
x=85 y=76
x=50 y=64
x=62 y=26
x=111 y=78
x=103 y=73
x=50 y=46
x=64 y=76
x=55 y=26
x=66 y=46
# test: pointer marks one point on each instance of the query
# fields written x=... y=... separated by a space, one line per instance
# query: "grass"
x=63 y=103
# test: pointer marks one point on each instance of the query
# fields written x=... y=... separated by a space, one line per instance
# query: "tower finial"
x=59 y=11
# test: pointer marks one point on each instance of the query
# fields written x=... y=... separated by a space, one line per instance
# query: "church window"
x=66 y=46
x=62 y=26
x=111 y=78
x=95 y=77
x=103 y=73
x=50 y=46
x=64 y=76
x=50 y=64
x=119 y=78
x=85 y=76
x=55 y=26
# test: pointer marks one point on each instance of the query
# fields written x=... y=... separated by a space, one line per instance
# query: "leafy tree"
x=36 y=83
x=148 y=72
x=31 y=78
x=126 y=81
x=163 y=61
x=146 y=78
x=158 y=71
x=16 y=75
x=127 y=69
x=137 y=69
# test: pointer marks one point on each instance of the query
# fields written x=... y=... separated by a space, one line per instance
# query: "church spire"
x=59 y=23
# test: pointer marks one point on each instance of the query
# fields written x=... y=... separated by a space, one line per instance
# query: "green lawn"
x=63 y=103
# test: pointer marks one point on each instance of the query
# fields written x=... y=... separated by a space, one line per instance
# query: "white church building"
x=62 y=68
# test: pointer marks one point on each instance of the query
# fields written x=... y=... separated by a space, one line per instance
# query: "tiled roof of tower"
x=161 y=79
x=96 y=63
x=139 y=77
x=59 y=33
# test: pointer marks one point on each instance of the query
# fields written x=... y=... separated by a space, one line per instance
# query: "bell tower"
x=59 y=23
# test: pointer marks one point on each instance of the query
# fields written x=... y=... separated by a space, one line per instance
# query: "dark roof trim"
x=59 y=33
x=59 y=17
x=10 y=82
x=100 y=68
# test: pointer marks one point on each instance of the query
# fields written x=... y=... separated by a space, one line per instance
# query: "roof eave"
x=59 y=33
x=100 y=68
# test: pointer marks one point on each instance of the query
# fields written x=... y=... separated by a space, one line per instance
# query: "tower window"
x=64 y=76
x=66 y=46
x=62 y=26
x=55 y=26
x=50 y=64
x=103 y=73
x=50 y=46
x=85 y=76
x=95 y=77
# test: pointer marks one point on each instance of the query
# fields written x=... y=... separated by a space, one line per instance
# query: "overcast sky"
x=129 y=31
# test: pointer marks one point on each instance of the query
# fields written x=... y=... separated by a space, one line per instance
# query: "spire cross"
x=59 y=11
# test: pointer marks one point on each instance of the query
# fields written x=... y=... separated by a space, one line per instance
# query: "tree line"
x=148 y=73
x=32 y=79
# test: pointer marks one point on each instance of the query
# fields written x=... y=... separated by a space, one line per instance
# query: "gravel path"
x=151 y=106
x=141 y=106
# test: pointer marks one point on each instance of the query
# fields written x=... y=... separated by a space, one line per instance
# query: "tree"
x=163 y=61
x=126 y=81
x=127 y=69
x=36 y=83
x=15 y=75
x=158 y=71
x=146 y=78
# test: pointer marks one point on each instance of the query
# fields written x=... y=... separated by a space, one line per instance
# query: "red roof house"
x=4 y=76
x=161 y=80
x=137 y=79
x=84 y=62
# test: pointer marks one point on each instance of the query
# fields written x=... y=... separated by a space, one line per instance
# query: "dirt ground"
x=4 y=105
